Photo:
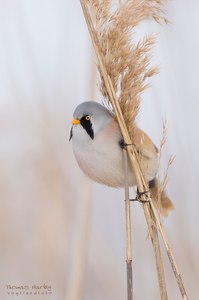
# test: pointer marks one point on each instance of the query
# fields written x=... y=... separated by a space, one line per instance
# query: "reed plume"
x=127 y=63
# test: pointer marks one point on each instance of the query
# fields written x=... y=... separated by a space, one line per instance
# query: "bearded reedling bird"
x=98 y=147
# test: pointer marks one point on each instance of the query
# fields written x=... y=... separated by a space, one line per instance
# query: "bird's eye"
x=87 y=118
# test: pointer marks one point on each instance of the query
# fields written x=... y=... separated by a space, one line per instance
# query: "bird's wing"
x=144 y=144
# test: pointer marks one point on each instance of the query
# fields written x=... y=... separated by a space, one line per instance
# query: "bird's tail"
x=161 y=200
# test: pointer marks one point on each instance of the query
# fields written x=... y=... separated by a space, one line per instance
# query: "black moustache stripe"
x=87 y=125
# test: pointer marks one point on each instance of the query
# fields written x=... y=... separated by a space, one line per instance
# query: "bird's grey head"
x=92 y=117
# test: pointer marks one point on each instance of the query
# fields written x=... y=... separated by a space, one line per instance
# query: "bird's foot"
x=139 y=197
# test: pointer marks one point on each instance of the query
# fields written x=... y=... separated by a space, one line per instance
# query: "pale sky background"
x=56 y=226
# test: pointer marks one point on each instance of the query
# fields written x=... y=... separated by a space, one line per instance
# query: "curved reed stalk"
x=126 y=105
x=128 y=232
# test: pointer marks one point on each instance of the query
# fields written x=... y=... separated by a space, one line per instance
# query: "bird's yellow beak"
x=75 y=121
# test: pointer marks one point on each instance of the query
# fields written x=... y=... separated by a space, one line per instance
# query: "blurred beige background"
x=56 y=227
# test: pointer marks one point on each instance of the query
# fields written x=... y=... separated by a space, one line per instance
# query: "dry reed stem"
x=158 y=256
x=133 y=156
x=170 y=254
x=151 y=222
x=128 y=232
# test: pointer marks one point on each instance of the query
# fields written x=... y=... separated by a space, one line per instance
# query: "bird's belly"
x=105 y=166
x=104 y=162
